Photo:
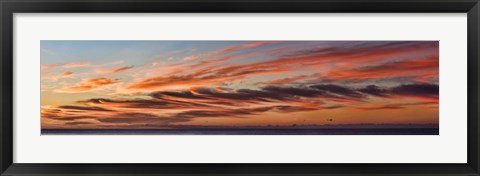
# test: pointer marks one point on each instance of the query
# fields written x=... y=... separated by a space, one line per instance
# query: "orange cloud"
x=203 y=78
x=89 y=84
x=78 y=88
x=66 y=65
x=230 y=49
x=50 y=76
x=354 y=57
x=246 y=46
x=114 y=70
x=167 y=108
x=424 y=68
x=412 y=67
x=257 y=44
x=101 y=81
x=211 y=85
x=67 y=73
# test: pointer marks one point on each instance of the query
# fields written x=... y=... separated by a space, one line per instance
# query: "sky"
x=182 y=84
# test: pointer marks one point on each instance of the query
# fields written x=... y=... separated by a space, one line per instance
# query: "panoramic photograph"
x=228 y=87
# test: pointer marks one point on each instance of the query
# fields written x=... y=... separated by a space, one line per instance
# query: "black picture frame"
x=9 y=7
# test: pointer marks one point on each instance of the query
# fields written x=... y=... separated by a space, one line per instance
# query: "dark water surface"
x=342 y=131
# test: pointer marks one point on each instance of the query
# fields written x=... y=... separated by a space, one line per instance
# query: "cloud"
x=374 y=91
x=351 y=53
x=134 y=118
x=47 y=66
x=411 y=67
x=247 y=46
x=70 y=118
x=338 y=90
x=100 y=81
x=65 y=65
x=83 y=108
x=423 y=91
x=168 y=108
x=212 y=55
x=293 y=91
x=236 y=113
x=328 y=92
x=395 y=106
x=283 y=80
x=230 y=49
x=113 y=70
x=257 y=44
x=88 y=85
x=67 y=73
x=266 y=94
x=417 y=89
x=142 y=103
x=112 y=117
x=192 y=57
x=352 y=59
x=203 y=77
x=287 y=109
x=50 y=76
x=288 y=80
x=78 y=123
x=75 y=64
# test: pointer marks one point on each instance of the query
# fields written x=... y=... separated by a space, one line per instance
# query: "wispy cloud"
x=249 y=81
x=113 y=70
x=169 y=107
x=247 y=46
x=66 y=65
x=55 y=76
x=88 y=85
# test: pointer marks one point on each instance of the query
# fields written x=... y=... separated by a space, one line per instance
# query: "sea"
x=330 y=131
